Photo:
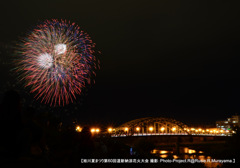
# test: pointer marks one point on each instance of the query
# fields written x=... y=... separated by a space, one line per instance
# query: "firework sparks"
x=56 y=61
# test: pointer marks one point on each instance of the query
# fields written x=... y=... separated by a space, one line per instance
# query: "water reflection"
x=187 y=153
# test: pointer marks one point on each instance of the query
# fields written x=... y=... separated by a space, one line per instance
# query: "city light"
x=78 y=129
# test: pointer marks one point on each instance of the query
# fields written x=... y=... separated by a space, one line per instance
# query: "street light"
x=162 y=129
x=110 y=130
x=174 y=129
x=151 y=129
x=137 y=129
x=97 y=130
x=93 y=130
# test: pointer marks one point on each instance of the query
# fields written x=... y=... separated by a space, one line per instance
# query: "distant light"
x=110 y=130
x=93 y=130
x=97 y=130
x=137 y=129
x=163 y=152
x=174 y=129
x=192 y=129
x=221 y=131
x=199 y=129
x=207 y=130
x=191 y=151
x=78 y=129
x=154 y=151
x=162 y=129
x=126 y=129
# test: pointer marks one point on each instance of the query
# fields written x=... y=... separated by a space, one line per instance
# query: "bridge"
x=167 y=132
x=157 y=126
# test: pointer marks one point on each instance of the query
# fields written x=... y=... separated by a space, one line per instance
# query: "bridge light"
x=97 y=130
x=196 y=130
x=137 y=129
x=203 y=131
x=93 y=130
x=192 y=129
x=188 y=130
x=217 y=132
x=110 y=130
x=211 y=131
x=126 y=129
x=150 y=128
x=207 y=130
x=199 y=129
x=162 y=129
x=221 y=131
x=174 y=129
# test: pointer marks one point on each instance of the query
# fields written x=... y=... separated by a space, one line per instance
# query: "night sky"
x=166 y=58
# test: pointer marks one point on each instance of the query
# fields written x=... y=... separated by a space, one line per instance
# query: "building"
x=229 y=123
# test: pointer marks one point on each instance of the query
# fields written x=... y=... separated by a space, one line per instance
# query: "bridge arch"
x=152 y=125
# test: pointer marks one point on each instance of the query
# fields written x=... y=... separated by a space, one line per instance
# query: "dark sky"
x=165 y=58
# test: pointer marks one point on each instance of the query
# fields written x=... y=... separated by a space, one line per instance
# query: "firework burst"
x=56 y=61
